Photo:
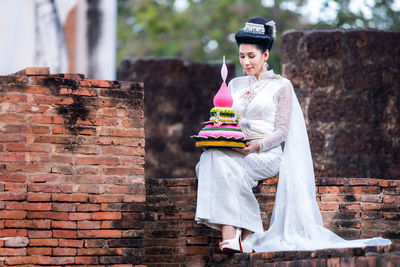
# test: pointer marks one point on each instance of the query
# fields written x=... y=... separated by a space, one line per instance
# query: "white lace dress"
x=226 y=177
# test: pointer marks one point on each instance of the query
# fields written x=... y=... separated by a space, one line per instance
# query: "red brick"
x=107 y=224
x=13 y=178
x=88 y=207
x=97 y=160
x=117 y=171
x=371 y=206
x=106 y=215
x=64 y=233
x=86 y=260
x=88 y=225
x=54 y=139
x=12 y=214
x=42 y=197
x=91 y=179
x=63 y=216
x=380 y=182
x=12 y=118
x=45 y=188
x=43 y=242
x=96 y=83
x=123 y=189
x=91 y=188
x=26 y=167
x=28 y=260
x=64 y=207
x=39 y=224
x=79 y=216
x=197 y=240
x=100 y=251
x=134 y=198
x=98 y=122
x=28 y=147
x=13 y=98
x=64 y=251
x=40 y=234
x=99 y=233
x=371 y=198
x=39 y=251
x=197 y=250
x=391 y=199
x=63 y=224
x=55 y=129
x=50 y=100
x=36 y=108
x=62 y=260
x=13 y=232
x=129 y=142
x=12 y=157
x=32 y=71
x=328 y=190
x=328 y=206
x=133 y=133
x=70 y=243
x=15 y=187
x=12 y=251
x=349 y=206
x=133 y=233
x=105 y=198
x=69 y=197
x=137 y=161
x=43 y=178
x=27 y=206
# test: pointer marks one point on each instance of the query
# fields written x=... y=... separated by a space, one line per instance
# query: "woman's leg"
x=228 y=232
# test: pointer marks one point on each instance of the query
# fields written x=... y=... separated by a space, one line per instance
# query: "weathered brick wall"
x=347 y=83
x=352 y=208
x=71 y=170
x=179 y=95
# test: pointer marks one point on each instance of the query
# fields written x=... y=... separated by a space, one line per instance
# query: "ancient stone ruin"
x=73 y=190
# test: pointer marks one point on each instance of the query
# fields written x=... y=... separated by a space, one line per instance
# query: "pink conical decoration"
x=223 y=98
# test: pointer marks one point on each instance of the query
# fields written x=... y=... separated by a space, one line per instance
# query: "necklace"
x=248 y=95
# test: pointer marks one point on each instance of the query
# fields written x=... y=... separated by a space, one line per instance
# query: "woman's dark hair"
x=261 y=41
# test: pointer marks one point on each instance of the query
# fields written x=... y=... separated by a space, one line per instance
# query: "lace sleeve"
x=283 y=110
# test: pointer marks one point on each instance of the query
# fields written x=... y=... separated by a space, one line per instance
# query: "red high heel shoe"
x=232 y=246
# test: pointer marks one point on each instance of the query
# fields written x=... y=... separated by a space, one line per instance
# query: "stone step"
x=367 y=256
x=351 y=207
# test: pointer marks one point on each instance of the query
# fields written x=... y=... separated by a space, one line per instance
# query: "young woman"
x=270 y=115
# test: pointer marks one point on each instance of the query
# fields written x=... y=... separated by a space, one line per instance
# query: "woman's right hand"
x=250 y=147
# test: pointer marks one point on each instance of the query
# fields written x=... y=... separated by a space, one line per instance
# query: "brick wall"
x=348 y=86
x=71 y=170
x=352 y=208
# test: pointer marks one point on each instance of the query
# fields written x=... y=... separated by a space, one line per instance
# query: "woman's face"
x=252 y=59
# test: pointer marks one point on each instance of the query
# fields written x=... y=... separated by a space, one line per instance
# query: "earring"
x=266 y=65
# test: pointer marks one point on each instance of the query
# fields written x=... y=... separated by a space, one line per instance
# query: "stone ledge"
x=353 y=208
x=366 y=256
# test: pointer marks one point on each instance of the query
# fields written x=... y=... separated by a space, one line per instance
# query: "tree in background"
x=204 y=30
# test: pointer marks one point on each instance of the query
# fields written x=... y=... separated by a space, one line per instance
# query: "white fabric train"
x=296 y=222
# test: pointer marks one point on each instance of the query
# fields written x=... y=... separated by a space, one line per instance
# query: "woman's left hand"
x=250 y=147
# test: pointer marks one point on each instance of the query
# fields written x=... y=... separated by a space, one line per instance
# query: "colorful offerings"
x=222 y=130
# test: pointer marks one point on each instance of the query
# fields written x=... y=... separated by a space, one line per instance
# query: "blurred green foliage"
x=204 y=30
